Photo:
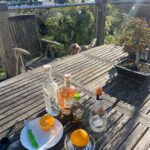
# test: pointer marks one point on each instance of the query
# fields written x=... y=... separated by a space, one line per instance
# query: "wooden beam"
x=100 y=20
x=6 y=52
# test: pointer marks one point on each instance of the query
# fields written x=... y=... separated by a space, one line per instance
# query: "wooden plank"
x=103 y=81
x=75 y=66
x=77 y=56
x=148 y=147
x=122 y=89
x=101 y=50
x=20 y=77
x=19 y=84
x=7 y=55
x=94 y=76
x=24 y=113
x=146 y=107
x=138 y=95
x=107 y=58
x=12 y=105
x=144 y=142
x=19 y=92
x=133 y=138
x=15 y=92
x=76 y=62
x=121 y=135
x=86 y=75
x=14 y=100
x=115 y=87
x=110 y=85
x=84 y=70
x=110 y=50
x=99 y=81
x=30 y=102
x=88 y=71
x=19 y=126
x=67 y=59
x=111 y=132
x=70 y=63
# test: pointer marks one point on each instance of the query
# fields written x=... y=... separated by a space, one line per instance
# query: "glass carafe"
x=50 y=90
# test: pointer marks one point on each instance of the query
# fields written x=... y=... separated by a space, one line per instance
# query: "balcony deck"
x=126 y=101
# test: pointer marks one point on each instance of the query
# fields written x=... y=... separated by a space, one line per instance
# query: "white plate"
x=45 y=139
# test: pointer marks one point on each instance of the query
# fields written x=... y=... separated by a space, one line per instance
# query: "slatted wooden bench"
x=128 y=102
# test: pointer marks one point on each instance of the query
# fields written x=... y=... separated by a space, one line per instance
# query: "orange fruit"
x=80 y=138
x=46 y=122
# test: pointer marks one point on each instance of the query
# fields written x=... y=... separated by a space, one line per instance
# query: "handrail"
x=116 y=2
x=50 y=6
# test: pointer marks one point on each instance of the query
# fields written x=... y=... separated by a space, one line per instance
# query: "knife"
x=30 y=134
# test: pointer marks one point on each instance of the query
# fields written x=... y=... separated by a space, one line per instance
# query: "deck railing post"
x=6 y=52
x=100 y=20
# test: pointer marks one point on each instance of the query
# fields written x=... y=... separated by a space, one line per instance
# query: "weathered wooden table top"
x=21 y=98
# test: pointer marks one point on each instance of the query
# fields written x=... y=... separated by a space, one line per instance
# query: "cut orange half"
x=46 y=122
x=80 y=138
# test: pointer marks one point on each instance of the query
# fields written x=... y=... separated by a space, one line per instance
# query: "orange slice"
x=80 y=138
x=46 y=122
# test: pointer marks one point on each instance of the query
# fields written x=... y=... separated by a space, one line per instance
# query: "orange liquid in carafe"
x=65 y=95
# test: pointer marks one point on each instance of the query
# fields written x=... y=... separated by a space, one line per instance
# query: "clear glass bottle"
x=77 y=109
x=50 y=90
x=98 y=117
x=65 y=95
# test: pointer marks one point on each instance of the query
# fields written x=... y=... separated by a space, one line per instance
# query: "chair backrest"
x=24 y=32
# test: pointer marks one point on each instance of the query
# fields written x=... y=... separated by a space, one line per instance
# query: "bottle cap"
x=47 y=67
x=77 y=96
x=99 y=91
x=67 y=75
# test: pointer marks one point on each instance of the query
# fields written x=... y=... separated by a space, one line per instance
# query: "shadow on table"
x=126 y=90
x=130 y=92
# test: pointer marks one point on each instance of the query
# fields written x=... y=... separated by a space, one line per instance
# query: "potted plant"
x=135 y=40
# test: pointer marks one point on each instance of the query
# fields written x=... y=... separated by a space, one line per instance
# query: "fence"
x=7 y=55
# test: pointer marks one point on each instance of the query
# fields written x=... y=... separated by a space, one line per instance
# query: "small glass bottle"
x=98 y=117
x=65 y=95
x=77 y=109
x=50 y=90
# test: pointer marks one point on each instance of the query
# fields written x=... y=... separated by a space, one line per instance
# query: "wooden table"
x=21 y=98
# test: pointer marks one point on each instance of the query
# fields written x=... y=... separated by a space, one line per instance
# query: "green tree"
x=76 y=25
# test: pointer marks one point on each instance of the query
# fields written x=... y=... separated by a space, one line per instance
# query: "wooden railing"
x=7 y=55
